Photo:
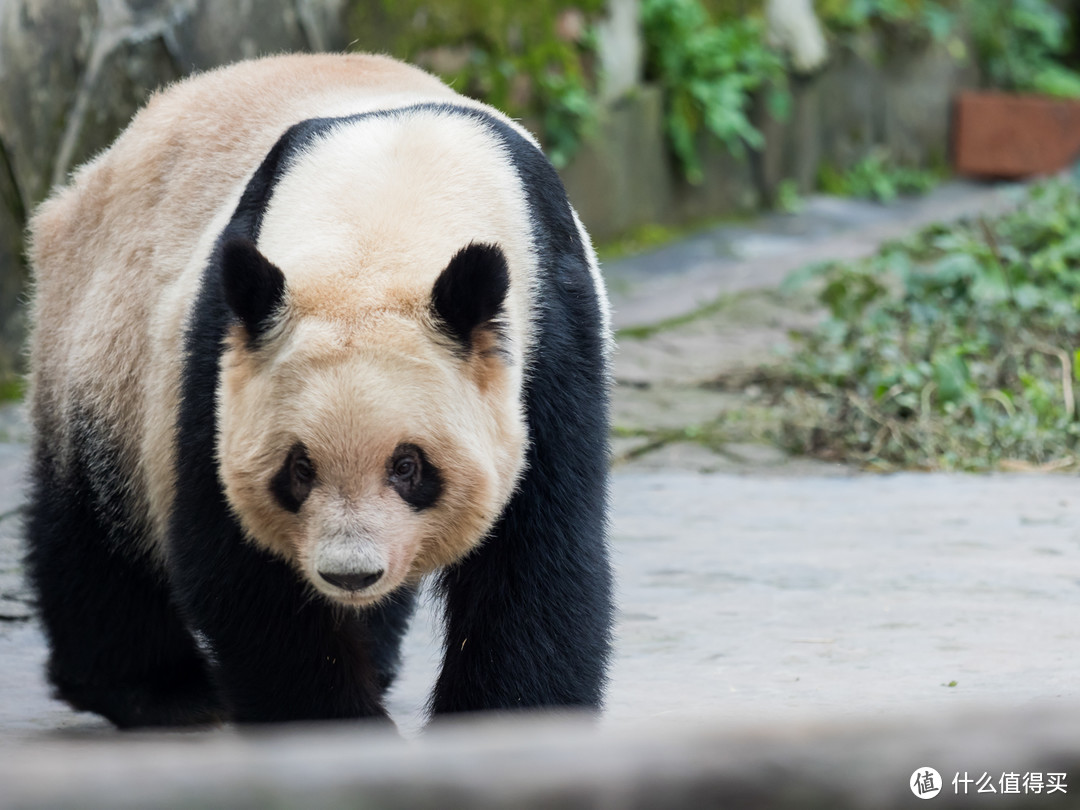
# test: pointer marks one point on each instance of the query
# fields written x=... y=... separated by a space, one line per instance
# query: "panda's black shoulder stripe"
x=247 y=219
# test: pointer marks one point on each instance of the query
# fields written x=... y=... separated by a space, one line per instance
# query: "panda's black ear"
x=254 y=286
x=470 y=292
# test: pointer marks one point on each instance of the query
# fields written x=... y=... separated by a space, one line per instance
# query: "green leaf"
x=805 y=274
x=951 y=376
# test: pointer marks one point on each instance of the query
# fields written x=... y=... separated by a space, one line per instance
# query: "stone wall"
x=873 y=94
x=72 y=72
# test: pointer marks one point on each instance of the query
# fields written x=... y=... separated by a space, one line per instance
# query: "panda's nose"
x=354 y=581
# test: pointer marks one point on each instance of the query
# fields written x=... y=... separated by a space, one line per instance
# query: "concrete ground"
x=779 y=613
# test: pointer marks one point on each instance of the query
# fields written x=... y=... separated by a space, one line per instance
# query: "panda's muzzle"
x=352 y=581
x=349 y=564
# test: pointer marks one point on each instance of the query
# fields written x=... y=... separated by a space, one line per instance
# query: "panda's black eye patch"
x=292 y=484
x=413 y=476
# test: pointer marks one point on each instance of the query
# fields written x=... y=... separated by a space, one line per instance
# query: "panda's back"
x=152 y=194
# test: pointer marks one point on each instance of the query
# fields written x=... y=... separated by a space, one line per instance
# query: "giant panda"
x=312 y=329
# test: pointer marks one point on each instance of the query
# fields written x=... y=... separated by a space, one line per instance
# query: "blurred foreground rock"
x=544 y=762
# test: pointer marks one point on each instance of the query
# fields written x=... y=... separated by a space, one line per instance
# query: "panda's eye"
x=405 y=467
x=294 y=480
x=303 y=470
x=415 y=479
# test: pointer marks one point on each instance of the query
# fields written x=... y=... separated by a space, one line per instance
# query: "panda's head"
x=370 y=418
x=368 y=445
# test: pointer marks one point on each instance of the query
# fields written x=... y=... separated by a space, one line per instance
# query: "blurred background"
x=660 y=114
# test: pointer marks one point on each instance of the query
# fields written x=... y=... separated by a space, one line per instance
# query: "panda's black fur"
x=527 y=615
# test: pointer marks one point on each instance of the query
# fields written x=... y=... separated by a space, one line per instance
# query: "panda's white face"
x=366 y=466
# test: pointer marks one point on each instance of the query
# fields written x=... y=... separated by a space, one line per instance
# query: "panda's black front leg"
x=529 y=614
x=118 y=646
x=280 y=652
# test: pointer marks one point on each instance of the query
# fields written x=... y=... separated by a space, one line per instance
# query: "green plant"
x=1019 y=44
x=568 y=113
x=788 y=198
x=957 y=348
x=709 y=73
x=514 y=56
x=877 y=177
x=12 y=389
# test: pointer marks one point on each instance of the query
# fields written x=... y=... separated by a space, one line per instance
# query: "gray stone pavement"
x=777 y=617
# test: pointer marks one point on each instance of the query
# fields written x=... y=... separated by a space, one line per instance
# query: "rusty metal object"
x=1007 y=135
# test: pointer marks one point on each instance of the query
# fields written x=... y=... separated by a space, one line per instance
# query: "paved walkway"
x=773 y=591
x=674 y=279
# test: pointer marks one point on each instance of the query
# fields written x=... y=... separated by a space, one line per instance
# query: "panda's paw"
x=131 y=706
x=180 y=694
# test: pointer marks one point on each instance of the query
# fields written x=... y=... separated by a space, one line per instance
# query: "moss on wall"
x=725 y=10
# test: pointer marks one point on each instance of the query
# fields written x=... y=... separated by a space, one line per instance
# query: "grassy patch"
x=957 y=348
x=652 y=235
x=12 y=389
x=639 y=240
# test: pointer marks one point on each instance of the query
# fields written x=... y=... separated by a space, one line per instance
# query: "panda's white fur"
x=354 y=365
